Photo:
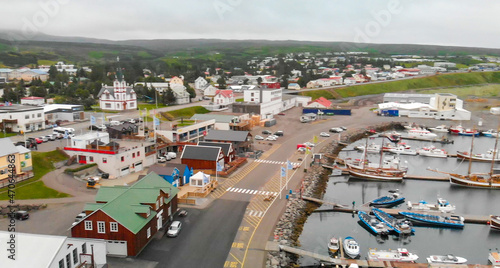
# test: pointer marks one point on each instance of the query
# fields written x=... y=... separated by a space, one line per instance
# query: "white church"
x=118 y=97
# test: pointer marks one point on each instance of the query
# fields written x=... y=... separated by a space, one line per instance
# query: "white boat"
x=351 y=247
x=432 y=152
x=494 y=258
x=490 y=133
x=450 y=259
x=440 y=129
x=410 y=126
x=406 y=150
x=420 y=133
x=333 y=245
x=401 y=254
x=487 y=157
x=494 y=222
x=442 y=205
x=372 y=148
x=389 y=146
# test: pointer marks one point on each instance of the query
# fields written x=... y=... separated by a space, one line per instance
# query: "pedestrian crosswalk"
x=294 y=164
x=255 y=213
x=250 y=191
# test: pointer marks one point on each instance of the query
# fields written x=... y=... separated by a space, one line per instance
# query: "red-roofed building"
x=410 y=71
x=32 y=101
x=224 y=97
x=319 y=103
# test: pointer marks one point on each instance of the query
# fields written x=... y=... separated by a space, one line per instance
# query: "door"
x=117 y=248
x=124 y=171
x=159 y=221
x=82 y=159
x=138 y=166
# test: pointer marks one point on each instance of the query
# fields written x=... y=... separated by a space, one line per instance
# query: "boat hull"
x=495 y=222
x=365 y=219
x=378 y=176
x=431 y=220
x=353 y=250
x=465 y=155
x=444 y=259
x=391 y=222
x=461 y=181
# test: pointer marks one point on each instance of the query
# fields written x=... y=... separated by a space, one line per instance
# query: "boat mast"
x=471 y=148
x=364 y=154
x=493 y=158
x=381 y=154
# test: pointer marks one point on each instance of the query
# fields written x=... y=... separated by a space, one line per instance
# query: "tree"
x=222 y=83
x=302 y=82
x=52 y=72
x=190 y=90
x=259 y=80
x=169 y=96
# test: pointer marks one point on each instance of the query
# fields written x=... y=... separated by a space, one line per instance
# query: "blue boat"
x=452 y=221
x=388 y=201
x=373 y=224
x=399 y=226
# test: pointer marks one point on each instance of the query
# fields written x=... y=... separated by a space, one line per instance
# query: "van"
x=115 y=123
x=172 y=155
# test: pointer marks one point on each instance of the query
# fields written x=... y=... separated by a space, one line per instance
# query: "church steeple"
x=119 y=74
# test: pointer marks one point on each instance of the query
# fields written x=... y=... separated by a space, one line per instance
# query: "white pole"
x=287 y=174
x=280 y=183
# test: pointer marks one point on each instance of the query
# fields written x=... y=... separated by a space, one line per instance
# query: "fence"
x=18 y=178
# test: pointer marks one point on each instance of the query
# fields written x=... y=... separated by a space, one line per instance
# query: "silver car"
x=174 y=229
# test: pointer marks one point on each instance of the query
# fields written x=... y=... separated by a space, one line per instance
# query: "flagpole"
x=280 y=183
x=287 y=174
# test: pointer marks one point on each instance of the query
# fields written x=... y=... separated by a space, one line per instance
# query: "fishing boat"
x=442 y=205
x=452 y=221
x=410 y=126
x=401 y=255
x=393 y=136
x=421 y=134
x=486 y=157
x=494 y=258
x=400 y=226
x=494 y=222
x=477 y=179
x=373 y=224
x=371 y=148
x=432 y=151
x=456 y=129
x=387 y=201
x=448 y=259
x=468 y=132
x=351 y=247
x=333 y=245
x=490 y=133
x=403 y=150
x=440 y=129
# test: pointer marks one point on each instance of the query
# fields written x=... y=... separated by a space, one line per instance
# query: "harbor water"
x=473 y=242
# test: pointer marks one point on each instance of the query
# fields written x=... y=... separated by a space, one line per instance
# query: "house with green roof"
x=128 y=217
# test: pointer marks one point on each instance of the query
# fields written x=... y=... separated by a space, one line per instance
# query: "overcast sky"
x=440 y=22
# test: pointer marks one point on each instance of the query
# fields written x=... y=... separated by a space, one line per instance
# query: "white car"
x=324 y=134
x=131 y=121
x=162 y=159
x=309 y=144
x=270 y=138
x=258 y=137
x=172 y=155
x=174 y=229
x=336 y=129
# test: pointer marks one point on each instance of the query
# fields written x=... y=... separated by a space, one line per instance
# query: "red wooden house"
x=202 y=157
x=128 y=217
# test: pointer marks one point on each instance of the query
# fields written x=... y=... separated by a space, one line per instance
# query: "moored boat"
x=401 y=255
x=371 y=148
x=440 y=129
x=388 y=201
x=494 y=222
x=452 y=221
x=432 y=152
x=494 y=258
x=351 y=247
x=486 y=157
x=404 y=150
x=468 y=132
x=374 y=224
x=490 y=133
x=333 y=245
x=393 y=136
x=442 y=205
x=450 y=259
x=400 y=226
x=421 y=134
x=456 y=129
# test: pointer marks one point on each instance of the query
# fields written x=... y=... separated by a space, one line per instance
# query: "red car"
x=38 y=140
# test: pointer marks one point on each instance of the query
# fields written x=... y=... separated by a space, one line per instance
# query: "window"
x=113 y=226
x=84 y=248
x=75 y=256
x=104 y=160
x=133 y=155
x=61 y=263
x=91 y=159
x=39 y=115
x=138 y=154
x=157 y=204
x=101 y=227
x=148 y=234
x=27 y=116
x=131 y=105
x=88 y=225
x=68 y=260
x=107 y=105
x=33 y=116
x=123 y=158
x=161 y=201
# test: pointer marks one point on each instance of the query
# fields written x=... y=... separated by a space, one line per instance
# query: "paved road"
x=205 y=239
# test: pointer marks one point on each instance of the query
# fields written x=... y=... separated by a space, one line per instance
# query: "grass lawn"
x=239 y=100
x=47 y=62
x=318 y=93
x=487 y=91
x=185 y=123
x=34 y=188
x=150 y=106
x=2 y=135
x=187 y=112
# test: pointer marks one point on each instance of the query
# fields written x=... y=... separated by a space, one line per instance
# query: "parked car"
x=270 y=138
x=172 y=155
x=183 y=213
x=51 y=137
x=258 y=137
x=174 y=229
x=281 y=113
x=336 y=130
x=344 y=128
x=162 y=159
x=44 y=138
x=131 y=121
x=59 y=135
x=115 y=123
x=38 y=140
x=21 y=215
x=266 y=132
x=309 y=144
x=279 y=133
x=302 y=149
x=324 y=134
x=97 y=127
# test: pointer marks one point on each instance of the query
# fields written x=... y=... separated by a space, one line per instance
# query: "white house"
x=180 y=93
x=349 y=81
x=200 y=83
x=160 y=87
x=16 y=118
x=223 y=97
x=119 y=97
x=49 y=251
x=294 y=86
x=64 y=112
x=116 y=158
x=209 y=91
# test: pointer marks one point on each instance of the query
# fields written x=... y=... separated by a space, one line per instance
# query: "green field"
x=96 y=54
x=149 y=106
x=47 y=62
x=34 y=188
x=187 y=112
x=487 y=91
x=318 y=93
